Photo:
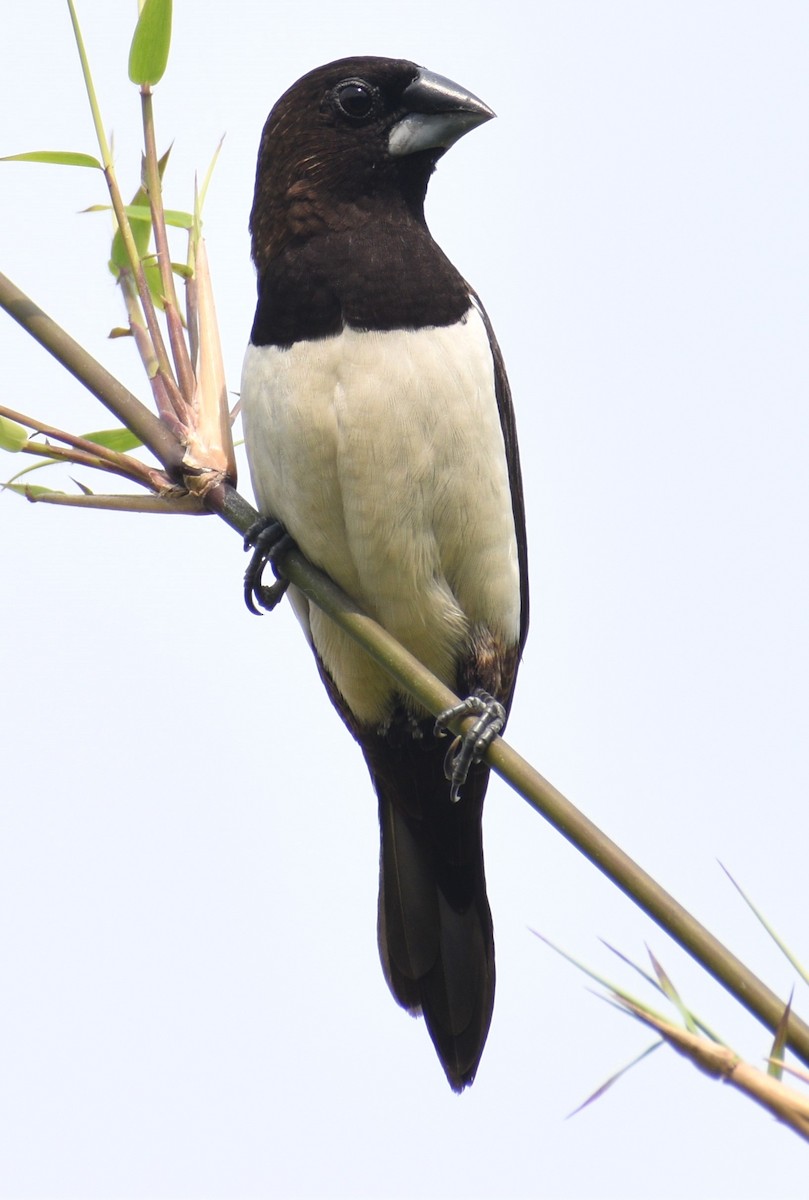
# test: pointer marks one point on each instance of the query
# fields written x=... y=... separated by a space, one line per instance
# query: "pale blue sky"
x=192 y=1003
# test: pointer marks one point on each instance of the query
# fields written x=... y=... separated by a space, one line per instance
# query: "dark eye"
x=354 y=98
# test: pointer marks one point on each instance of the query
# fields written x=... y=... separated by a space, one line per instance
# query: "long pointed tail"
x=435 y=926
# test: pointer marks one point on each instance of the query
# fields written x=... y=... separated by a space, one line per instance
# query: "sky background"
x=191 y=1000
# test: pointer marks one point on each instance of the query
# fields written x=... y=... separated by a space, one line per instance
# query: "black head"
x=347 y=134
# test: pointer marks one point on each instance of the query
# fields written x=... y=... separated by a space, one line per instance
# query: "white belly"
x=382 y=454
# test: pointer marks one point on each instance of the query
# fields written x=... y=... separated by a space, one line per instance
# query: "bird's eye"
x=354 y=98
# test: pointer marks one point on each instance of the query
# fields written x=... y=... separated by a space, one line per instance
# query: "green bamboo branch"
x=549 y=802
x=86 y=452
x=182 y=504
x=81 y=458
x=164 y=366
x=179 y=349
x=411 y=676
x=784 y=1103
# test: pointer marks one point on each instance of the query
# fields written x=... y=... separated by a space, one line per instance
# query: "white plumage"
x=382 y=455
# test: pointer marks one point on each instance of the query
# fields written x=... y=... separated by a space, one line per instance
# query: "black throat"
x=374 y=276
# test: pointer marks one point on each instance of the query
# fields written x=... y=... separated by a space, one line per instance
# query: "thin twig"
x=179 y=349
x=90 y=453
x=164 y=366
x=785 y=1103
x=154 y=480
x=414 y=678
x=183 y=504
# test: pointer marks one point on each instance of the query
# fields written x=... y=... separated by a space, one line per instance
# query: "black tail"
x=435 y=926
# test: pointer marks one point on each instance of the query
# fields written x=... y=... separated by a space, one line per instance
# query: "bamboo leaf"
x=31 y=491
x=600 y=979
x=101 y=136
x=666 y=986
x=203 y=191
x=635 y=966
x=605 y=1087
x=796 y=1072
x=141 y=226
x=780 y=943
x=12 y=435
x=142 y=212
x=775 y=1066
x=121 y=439
x=36 y=466
x=152 y=272
x=141 y=232
x=149 y=52
x=670 y=991
x=59 y=158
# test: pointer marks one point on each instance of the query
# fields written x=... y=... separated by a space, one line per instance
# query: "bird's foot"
x=267 y=538
x=470 y=747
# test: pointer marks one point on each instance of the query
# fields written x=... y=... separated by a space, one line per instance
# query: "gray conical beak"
x=439 y=113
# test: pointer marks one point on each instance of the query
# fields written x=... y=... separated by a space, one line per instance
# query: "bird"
x=381 y=440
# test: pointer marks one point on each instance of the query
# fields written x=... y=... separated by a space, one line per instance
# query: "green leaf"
x=142 y=212
x=121 y=439
x=61 y=158
x=31 y=489
x=599 y=1092
x=12 y=436
x=36 y=466
x=150 y=45
x=670 y=991
x=782 y=946
x=101 y=136
x=153 y=278
x=141 y=226
x=776 y=1063
x=141 y=232
x=199 y=202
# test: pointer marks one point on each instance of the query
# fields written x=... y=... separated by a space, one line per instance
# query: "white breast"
x=382 y=454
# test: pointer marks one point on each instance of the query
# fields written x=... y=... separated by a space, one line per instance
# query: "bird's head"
x=348 y=133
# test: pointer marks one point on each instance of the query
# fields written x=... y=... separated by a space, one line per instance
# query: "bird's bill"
x=440 y=112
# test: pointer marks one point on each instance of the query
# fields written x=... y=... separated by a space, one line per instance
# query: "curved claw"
x=470 y=747
x=267 y=538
